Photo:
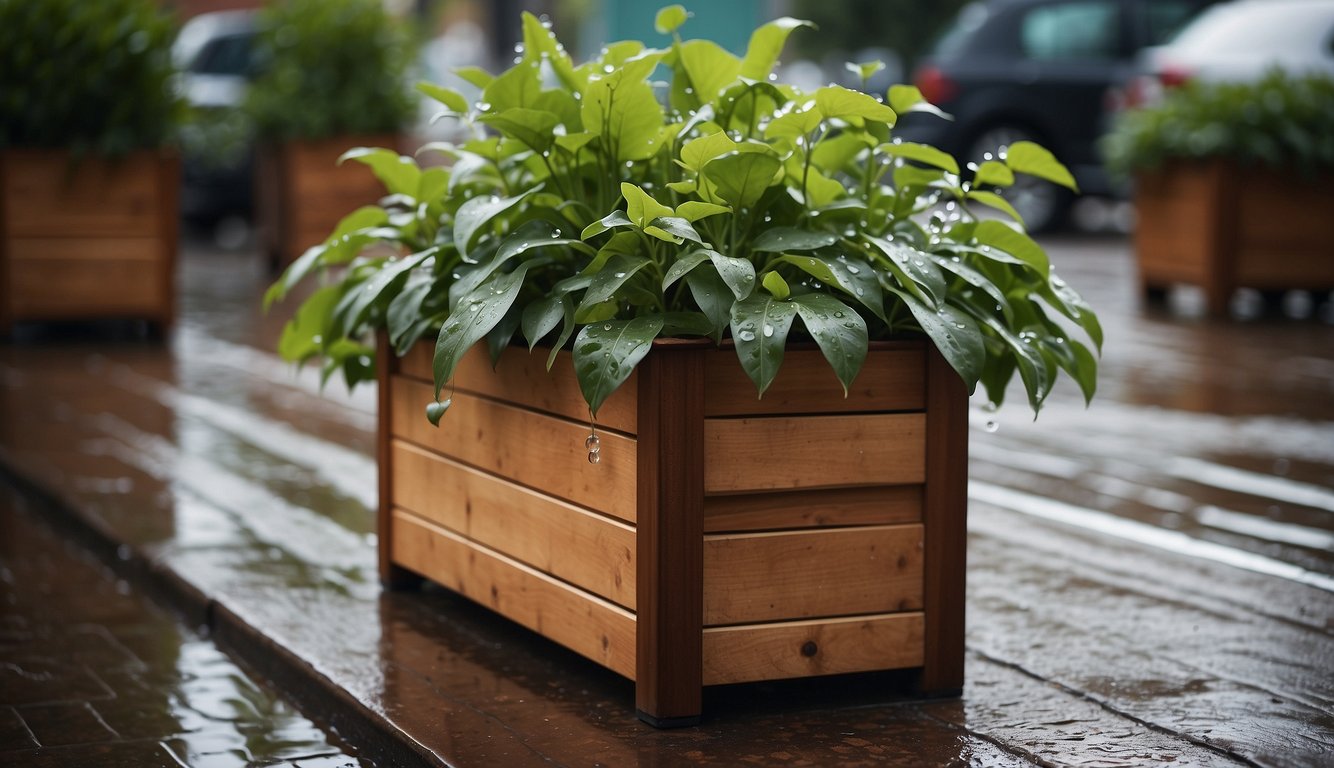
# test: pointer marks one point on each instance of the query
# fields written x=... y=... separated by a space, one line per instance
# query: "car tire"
x=1043 y=205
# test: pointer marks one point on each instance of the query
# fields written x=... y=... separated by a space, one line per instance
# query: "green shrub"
x=595 y=206
x=1282 y=121
x=329 y=68
x=90 y=76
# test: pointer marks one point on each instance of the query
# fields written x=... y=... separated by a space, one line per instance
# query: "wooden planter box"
x=1222 y=227
x=301 y=192
x=88 y=240
x=721 y=539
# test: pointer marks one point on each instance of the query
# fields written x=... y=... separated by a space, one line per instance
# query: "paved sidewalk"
x=91 y=674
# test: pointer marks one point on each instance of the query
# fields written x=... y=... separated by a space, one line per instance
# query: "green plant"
x=89 y=76
x=1283 y=121
x=739 y=206
x=329 y=68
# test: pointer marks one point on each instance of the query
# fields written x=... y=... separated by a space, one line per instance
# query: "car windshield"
x=1258 y=27
x=957 y=37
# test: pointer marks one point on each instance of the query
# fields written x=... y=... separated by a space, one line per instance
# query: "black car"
x=1039 y=70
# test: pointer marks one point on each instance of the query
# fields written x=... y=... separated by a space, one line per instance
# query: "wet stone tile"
x=14 y=733
x=122 y=754
x=58 y=725
x=25 y=680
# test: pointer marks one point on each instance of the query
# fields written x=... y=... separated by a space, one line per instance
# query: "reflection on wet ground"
x=1150 y=580
x=93 y=675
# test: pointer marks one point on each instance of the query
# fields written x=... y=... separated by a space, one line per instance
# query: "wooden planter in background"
x=1223 y=227
x=301 y=192
x=721 y=539
x=88 y=240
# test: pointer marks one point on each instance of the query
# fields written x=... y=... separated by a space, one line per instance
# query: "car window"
x=1255 y=28
x=229 y=55
x=959 y=35
x=1071 y=31
x=1163 y=19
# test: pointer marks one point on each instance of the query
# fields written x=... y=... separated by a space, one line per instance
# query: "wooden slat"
x=585 y=624
x=67 y=277
x=45 y=196
x=946 y=517
x=671 y=507
x=523 y=379
x=808 y=648
x=588 y=550
x=831 y=507
x=891 y=380
x=392 y=576
x=759 y=454
x=807 y=574
x=541 y=452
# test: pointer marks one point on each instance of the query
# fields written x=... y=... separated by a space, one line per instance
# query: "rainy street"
x=1150 y=580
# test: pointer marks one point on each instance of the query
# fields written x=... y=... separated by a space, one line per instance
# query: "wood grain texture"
x=584 y=623
x=47 y=196
x=772 y=453
x=946 y=518
x=54 y=278
x=542 y=452
x=747 y=653
x=830 y=507
x=670 y=555
x=588 y=550
x=522 y=379
x=807 y=574
x=891 y=380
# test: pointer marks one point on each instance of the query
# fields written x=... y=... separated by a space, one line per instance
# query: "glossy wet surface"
x=91 y=674
x=1150 y=580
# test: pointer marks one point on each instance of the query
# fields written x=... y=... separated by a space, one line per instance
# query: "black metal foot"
x=667 y=722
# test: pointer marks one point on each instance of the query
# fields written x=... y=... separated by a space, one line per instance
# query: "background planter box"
x=90 y=240
x=720 y=540
x=1223 y=227
x=301 y=192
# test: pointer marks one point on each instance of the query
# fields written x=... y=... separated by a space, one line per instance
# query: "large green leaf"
x=1028 y=358
x=1027 y=157
x=605 y=354
x=303 y=335
x=683 y=265
x=738 y=274
x=915 y=270
x=785 y=239
x=955 y=334
x=542 y=316
x=1068 y=302
x=541 y=45
x=388 y=278
x=710 y=68
x=398 y=173
x=838 y=330
x=627 y=117
x=640 y=205
x=476 y=213
x=996 y=234
x=742 y=178
x=694 y=210
x=921 y=153
x=975 y=279
x=852 y=276
x=476 y=314
x=760 y=325
x=405 y=320
x=766 y=44
x=365 y=218
x=517 y=86
x=835 y=101
x=618 y=270
x=712 y=296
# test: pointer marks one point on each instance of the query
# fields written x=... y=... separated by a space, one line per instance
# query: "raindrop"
x=746 y=336
x=992 y=425
x=854 y=269
x=768 y=330
x=483 y=106
x=607 y=327
x=475 y=308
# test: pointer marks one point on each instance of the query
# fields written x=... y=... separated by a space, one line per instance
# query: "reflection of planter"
x=719 y=540
x=1223 y=227
x=90 y=239
x=301 y=192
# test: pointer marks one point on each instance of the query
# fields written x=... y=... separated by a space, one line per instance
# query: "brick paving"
x=91 y=674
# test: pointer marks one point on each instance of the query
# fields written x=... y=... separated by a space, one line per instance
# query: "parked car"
x=215 y=54
x=1240 y=42
x=1040 y=70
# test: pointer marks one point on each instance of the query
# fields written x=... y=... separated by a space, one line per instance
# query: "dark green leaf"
x=605 y=354
x=738 y=274
x=713 y=297
x=760 y=325
x=476 y=314
x=675 y=227
x=955 y=334
x=854 y=277
x=436 y=409
x=542 y=316
x=476 y=213
x=608 y=280
x=838 y=330
x=683 y=264
x=787 y=239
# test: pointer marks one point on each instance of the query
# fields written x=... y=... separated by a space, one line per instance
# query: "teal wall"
x=726 y=22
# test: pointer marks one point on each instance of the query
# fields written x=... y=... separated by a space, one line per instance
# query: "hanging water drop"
x=746 y=336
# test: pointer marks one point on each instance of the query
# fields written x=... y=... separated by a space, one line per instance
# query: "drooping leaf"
x=853 y=276
x=541 y=317
x=404 y=319
x=605 y=354
x=303 y=335
x=675 y=229
x=389 y=277
x=760 y=326
x=712 y=296
x=436 y=409
x=476 y=314
x=1068 y=302
x=839 y=332
x=738 y=274
x=914 y=270
x=785 y=239
x=608 y=280
x=954 y=333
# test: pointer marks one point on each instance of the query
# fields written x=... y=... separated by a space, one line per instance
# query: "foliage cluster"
x=329 y=68
x=596 y=204
x=1283 y=121
x=88 y=76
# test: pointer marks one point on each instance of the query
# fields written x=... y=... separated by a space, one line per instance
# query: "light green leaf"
x=782 y=239
x=793 y=125
x=993 y=174
x=776 y=286
x=996 y=234
x=921 y=153
x=675 y=227
x=476 y=213
x=518 y=86
x=697 y=152
x=1027 y=157
x=839 y=332
x=709 y=67
x=366 y=217
x=670 y=18
x=432 y=184
x=540 y=44
x=854 y=277
x=760 y=325
x=475 y=76
x=995 y=201
x=476 y=314
x=835 y=101
x=605 y=354
x=662 y=234
x=616 y=218
x=531 y=126
x=907 y=98
x=398 y=173
x=766 y=44
x=303 y=335
x=573 y=142
x=640 y=205
x=694 y=210
x=742 y=178
x=452 y=99
x=866 y=70
x=628 y=118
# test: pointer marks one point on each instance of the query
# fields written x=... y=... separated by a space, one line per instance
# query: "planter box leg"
x=670 y=540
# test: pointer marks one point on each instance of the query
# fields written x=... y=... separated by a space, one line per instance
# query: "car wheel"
x=1042 y=204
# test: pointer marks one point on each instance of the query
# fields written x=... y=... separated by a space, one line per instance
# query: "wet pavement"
x=92 y=674
x=1150 y=580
